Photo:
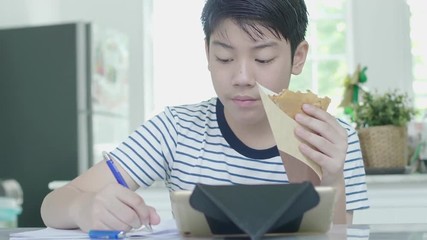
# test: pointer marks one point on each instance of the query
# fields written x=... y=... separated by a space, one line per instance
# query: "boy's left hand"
x=325 y=142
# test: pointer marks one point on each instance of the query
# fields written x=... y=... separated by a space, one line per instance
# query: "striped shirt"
x=190 y=144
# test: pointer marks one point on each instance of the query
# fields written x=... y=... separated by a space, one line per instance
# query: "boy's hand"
x=326 y=142
x=112 y=208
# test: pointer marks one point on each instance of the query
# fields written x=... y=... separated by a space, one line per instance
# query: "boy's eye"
x=224 y=60
x=264 y=61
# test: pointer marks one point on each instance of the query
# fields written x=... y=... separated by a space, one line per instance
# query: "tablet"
x=192 y=223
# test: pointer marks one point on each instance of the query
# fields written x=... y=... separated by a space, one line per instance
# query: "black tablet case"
x=254 y=209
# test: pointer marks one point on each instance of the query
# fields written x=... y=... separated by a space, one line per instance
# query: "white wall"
x=381 y=41
x=123 y=16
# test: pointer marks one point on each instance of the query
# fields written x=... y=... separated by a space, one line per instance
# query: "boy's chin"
x=244 y=116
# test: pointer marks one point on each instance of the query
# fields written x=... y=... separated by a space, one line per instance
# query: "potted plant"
x=381 y=121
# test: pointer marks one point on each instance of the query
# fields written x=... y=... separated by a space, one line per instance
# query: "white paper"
x=50 y=233
x=166 y=229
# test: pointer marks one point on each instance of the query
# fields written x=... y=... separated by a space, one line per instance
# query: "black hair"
x=283 y=18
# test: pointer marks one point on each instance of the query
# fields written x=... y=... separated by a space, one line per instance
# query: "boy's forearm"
x=297 y=171
x=56 y=208
x=340 y=214
x=349 y=217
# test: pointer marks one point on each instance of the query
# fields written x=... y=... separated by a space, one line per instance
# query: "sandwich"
x=291 y=102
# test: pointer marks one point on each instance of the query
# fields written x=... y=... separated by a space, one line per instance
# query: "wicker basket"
x=384 y=146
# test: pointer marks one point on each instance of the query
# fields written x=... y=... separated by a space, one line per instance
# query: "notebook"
x=193 y=223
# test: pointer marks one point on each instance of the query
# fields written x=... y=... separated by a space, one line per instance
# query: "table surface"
x=338 y=232
x=380 y=178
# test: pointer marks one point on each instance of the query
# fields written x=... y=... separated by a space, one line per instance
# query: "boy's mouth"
x=244 y=101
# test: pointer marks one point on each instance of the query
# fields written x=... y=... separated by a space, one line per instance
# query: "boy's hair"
x=284 y=18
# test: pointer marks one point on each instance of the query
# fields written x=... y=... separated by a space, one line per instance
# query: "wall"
x=381 y=41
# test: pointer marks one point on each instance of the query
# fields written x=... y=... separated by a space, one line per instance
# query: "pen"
x=114 y=170
x=106 y=234
x=119 y=178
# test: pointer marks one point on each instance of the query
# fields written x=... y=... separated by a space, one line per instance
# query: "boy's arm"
x=340 y=213
x=325 y=142
x=297 y=171
x=349 y=217
x=95 y=200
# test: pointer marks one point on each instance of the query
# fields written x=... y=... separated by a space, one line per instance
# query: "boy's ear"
x=299 y=57
x=207 y=52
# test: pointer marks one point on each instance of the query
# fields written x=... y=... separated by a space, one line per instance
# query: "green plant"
x=390 y=108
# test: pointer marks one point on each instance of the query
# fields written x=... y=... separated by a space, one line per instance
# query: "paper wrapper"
x=283 y=131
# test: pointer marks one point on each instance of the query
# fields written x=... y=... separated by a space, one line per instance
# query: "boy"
x=224 y=140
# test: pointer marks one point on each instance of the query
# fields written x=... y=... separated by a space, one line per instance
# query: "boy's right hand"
x=112 y=208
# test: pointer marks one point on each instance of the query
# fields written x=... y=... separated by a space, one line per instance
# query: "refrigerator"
x=58 y=95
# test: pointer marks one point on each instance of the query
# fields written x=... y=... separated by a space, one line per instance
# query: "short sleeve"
x=146 y=154
x=354 y=172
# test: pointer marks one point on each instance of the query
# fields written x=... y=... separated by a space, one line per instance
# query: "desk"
x=338 y=232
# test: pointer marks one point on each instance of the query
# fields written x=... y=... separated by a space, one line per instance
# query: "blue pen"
x=114 y=170
x=106 y=234
x=120 y=179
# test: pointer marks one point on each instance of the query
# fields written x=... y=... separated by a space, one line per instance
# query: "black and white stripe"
x=189 y=144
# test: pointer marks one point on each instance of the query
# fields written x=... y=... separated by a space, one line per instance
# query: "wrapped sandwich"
x=291 y=102
x=281 y=109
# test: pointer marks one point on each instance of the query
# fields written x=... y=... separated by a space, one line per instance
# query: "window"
x=180 y=73
x=419 y=53
x=326 y=65
x=182 y=64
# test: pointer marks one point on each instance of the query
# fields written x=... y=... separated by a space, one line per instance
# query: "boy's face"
x=237 y=62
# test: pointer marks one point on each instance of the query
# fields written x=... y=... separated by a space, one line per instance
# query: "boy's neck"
x=257 y=136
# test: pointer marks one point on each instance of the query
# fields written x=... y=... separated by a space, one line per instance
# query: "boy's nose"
x=243 y=75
